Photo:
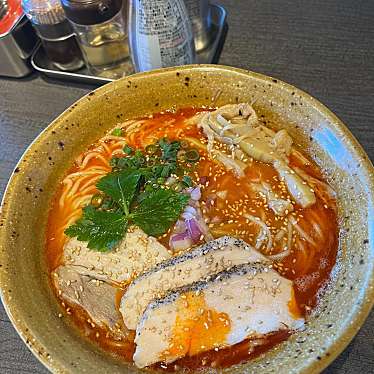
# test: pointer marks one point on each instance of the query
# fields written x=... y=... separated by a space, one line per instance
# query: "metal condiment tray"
x=209 y=55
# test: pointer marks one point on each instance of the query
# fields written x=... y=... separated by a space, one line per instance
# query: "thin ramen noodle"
x=241 y=194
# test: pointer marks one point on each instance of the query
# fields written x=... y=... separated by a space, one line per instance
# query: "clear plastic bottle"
x=102 y=33
x=160 y=34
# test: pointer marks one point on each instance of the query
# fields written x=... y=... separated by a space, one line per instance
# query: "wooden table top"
x=323 y=47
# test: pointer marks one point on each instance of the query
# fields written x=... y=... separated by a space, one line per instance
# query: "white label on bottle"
x=164 y=36
x=149 y=50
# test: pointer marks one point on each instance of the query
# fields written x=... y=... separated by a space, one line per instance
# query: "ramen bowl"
x=25 y=289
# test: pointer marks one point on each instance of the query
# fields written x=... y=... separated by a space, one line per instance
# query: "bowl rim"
x=357 y=320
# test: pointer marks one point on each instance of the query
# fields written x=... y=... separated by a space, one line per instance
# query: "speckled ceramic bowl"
x=24 y=281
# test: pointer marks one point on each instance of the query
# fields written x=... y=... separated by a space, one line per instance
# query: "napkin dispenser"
x=17 y=40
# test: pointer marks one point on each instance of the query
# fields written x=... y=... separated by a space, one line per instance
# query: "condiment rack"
x=209 y=55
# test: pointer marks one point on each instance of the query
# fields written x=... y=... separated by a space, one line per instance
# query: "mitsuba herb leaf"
x=101 y=229
x=137 y=191
x=121 y=187
x=157 y=211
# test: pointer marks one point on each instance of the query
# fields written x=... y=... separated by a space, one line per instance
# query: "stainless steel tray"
x=16 y=47
x=209 y=55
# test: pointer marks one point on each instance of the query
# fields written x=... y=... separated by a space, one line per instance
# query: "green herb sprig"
x=135 y=192
x=154 y=214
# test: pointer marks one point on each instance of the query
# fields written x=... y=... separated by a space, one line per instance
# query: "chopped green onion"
x=156 y=169
x=187 y=181
x=161 y=180
x=97 y=200
x=127 y=149
x=184 y=144
x=151 y=149
x=192 y=155
x=181 y=155
x=117 y=132
x=151 y=161
x=165 y=171
x=179 y=171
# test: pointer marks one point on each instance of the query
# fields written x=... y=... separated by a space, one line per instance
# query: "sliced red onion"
x=196 y=193
x=180 y=241
x=179 y=227
x=189 y=212
x=187 y=216
x=191 y=228
x=190 y=209
x=194 y=229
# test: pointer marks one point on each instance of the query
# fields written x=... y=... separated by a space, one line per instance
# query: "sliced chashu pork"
x=179 y=271
x=96 y=297
x=136 y=253
x=248 y=300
